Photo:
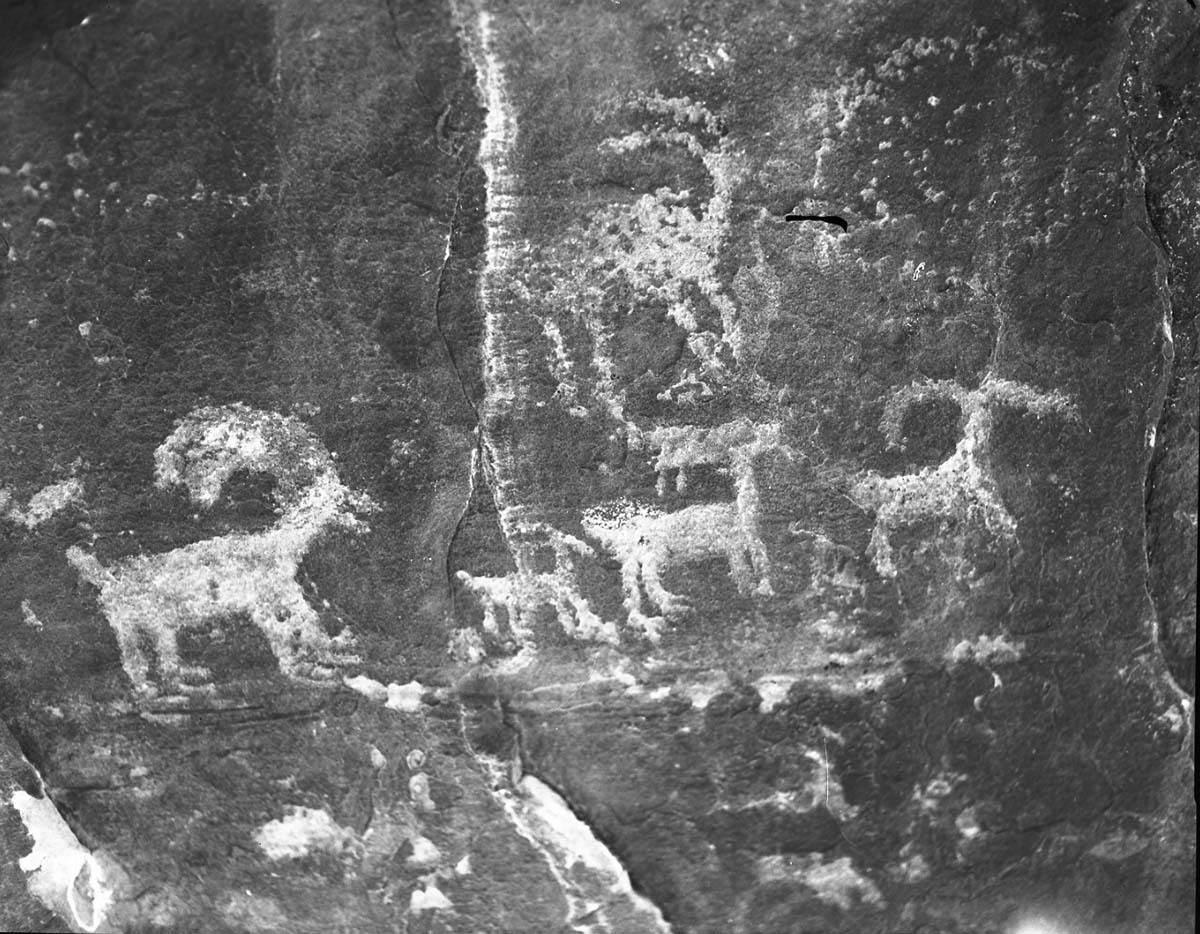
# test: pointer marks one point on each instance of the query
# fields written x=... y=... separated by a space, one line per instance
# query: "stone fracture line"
x=962 y=487
x=155 y=596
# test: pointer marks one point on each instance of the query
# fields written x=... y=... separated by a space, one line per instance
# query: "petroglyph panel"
x=772 y=423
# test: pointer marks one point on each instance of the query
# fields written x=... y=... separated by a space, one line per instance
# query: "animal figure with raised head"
x=254 y=573
x=647 y=541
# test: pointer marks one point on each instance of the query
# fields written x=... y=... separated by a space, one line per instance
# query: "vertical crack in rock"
x=1170 y=382
x=600 y=894
x=495 y=155
x=456 y=300
x=453 y=236
x=1159 y=158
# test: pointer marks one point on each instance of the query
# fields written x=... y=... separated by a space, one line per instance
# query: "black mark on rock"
x=824 y=218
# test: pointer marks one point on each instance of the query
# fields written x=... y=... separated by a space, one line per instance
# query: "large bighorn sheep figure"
x=254 y=573
x=647 y=540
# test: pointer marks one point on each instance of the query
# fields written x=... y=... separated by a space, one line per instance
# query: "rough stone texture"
x=604 y=467
x=1162 y=100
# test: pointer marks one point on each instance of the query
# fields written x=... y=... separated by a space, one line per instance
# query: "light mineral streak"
x=599 y=894
x=60 y=871
x=501 y=383
x=495 y=155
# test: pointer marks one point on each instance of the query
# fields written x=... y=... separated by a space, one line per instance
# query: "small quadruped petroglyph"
x=647 y=541
x=154 y=597
x=961 y=489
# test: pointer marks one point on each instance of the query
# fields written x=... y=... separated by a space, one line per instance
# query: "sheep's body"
x=524 y=591
x=961 y=492
x=520 y=594
x=647 y=542
x=254 y=573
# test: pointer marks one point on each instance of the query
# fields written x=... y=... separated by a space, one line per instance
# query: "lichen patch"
x=835 y=882
x=45 y=503
x=302 y=831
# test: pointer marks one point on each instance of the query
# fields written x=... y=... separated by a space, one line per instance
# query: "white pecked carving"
x=962 y=487
x=155 y=596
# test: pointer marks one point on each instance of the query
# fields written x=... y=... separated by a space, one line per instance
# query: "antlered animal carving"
x=521 y=593
x=647 y=541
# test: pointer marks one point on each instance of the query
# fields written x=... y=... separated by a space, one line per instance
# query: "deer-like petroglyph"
x=666 y=248
x=155 y=596
x=962 y=488
x=661 y=249
x=524 y=591
x=646 y=541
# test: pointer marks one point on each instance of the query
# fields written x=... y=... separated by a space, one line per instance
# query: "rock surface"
x=598 y=467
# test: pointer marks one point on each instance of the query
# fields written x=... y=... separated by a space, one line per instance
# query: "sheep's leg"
x=516 y=617
x=577 y=619
x=490 y=621
x=749 y=565
x=292 y=627
x=169 y=667
x=631 y=572
x=670 y=603
x=880 y=550
x=761 y=563
x=133 y=659
x=631 y=586
x=740 y=568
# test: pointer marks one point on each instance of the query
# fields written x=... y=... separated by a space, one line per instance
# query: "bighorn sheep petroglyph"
x=962 y=489
x=156 y=596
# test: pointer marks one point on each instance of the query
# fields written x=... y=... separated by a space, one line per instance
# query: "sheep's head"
x=210 y=444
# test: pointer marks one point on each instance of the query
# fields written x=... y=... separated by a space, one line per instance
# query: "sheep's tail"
x=88 y=567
